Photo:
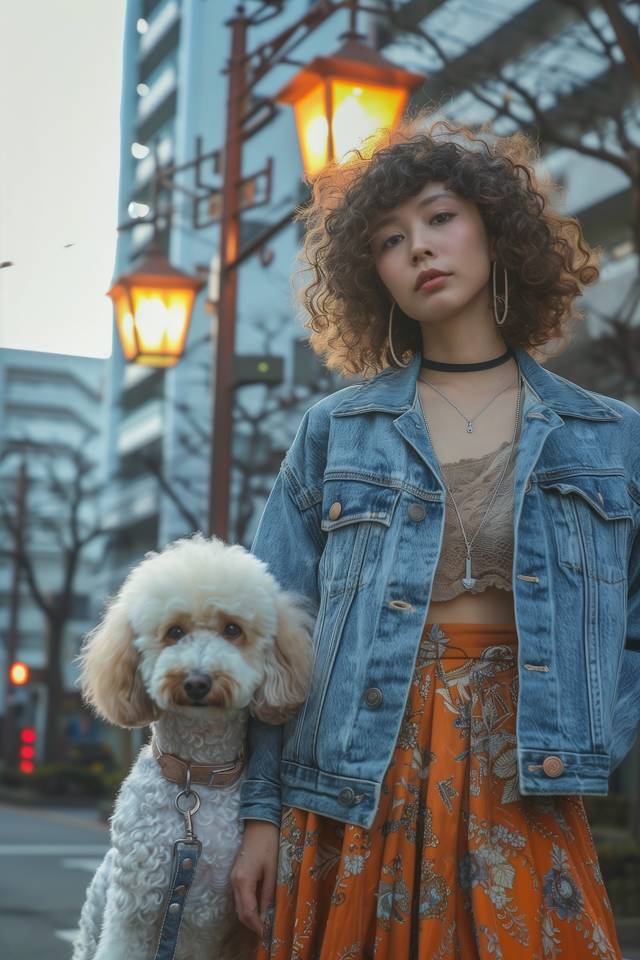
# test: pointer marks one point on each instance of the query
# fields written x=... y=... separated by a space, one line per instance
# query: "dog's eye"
x=232 y=630
x=175 y=633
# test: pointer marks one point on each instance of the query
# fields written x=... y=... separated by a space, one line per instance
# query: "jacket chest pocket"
x=355 y=515
x=591 y=519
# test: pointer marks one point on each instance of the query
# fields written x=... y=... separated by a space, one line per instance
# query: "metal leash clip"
x=186 y=853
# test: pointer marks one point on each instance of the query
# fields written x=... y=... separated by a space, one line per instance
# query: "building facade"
x=52 y=426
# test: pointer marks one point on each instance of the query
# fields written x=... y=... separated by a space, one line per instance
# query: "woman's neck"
x=469 y=337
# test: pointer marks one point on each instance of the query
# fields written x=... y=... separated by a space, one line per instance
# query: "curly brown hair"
x=546 y=256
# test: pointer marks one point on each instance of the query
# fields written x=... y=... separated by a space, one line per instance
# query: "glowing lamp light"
x=19 y=673
x=26 y=766
x=27 y=753
x=28 y=735
x=153 y=305
x=341 y=100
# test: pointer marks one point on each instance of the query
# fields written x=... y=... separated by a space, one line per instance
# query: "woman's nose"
x=422 y=249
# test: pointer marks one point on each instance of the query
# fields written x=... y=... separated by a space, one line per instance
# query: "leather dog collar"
x=177 y=770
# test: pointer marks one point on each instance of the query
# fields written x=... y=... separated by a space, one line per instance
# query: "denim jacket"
x=355 y=523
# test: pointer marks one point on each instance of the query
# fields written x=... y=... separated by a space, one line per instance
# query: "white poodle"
x=198 y=636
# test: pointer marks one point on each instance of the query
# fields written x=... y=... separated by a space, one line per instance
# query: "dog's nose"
x=197 y=686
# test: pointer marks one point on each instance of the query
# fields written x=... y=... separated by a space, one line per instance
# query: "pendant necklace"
x=468 y=581
x=469 y=421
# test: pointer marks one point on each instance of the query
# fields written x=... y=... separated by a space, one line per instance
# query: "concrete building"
x=174 y=92
x=52 y=409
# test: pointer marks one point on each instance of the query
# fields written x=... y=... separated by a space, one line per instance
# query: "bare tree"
x=60 y=520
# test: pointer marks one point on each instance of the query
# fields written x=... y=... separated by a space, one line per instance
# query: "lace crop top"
x=473 y=482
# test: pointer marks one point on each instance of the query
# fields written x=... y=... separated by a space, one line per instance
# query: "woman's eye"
x=232 y=630
x=175 y=633
x=441 y=217
x=392 y=241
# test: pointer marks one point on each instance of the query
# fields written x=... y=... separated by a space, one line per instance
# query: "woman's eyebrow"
x=446 y=195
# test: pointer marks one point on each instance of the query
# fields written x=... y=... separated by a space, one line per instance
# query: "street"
x=47 y=858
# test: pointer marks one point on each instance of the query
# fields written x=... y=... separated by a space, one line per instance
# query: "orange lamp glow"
x=153 y=304
x=339 y=101
x=19 y=673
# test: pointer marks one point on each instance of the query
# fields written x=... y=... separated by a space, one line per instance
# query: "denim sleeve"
x=289 y=539
x=627 y=709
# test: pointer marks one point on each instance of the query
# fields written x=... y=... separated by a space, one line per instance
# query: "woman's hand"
x=253 y=877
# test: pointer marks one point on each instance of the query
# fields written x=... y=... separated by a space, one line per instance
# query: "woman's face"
x=433 y=255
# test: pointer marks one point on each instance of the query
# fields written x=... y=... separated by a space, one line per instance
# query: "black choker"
x=467 y=367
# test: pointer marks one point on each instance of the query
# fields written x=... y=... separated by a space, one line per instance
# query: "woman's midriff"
x=457 y=863
x=490 y=606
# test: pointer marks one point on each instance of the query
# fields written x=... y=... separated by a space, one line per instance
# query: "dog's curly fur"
x=133 y=674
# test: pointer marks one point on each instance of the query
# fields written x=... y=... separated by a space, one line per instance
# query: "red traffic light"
x=27 y=753
x=28 y=735
x=19 y=673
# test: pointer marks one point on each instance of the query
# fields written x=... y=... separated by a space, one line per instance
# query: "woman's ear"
x=110 y=678
x=287 y=667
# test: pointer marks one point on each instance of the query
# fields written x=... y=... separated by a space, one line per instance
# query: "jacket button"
x=346 y=797
x=553 y=766
x=417 y=512
x=528 y=486
x=373 y=697
x=335 y=510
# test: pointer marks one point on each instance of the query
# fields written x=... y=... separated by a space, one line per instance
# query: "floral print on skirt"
x=457 y=863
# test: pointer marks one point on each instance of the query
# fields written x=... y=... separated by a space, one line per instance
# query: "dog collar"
x=178 y=770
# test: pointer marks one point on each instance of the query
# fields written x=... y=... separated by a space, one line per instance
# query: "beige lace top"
x=473 y=482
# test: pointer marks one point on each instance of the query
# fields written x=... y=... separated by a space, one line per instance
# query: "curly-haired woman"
x=467 y=524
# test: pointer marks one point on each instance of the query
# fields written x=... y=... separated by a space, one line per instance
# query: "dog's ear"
x=287 y=666
x=110 y=678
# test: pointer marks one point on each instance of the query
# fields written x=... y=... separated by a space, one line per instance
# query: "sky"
x=60 y=77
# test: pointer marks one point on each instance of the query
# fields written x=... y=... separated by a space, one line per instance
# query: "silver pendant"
x=468 y=582
x=469 y=428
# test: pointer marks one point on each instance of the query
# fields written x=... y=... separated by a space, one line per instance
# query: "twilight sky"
x=60 y=75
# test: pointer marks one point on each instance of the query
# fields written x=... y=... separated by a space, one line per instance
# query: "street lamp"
x=153 y=305
x=338 y=101
x=341 y=100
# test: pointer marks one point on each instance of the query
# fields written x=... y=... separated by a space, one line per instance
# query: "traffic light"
x=27 y=749
x=262 y=369
x=19 y=673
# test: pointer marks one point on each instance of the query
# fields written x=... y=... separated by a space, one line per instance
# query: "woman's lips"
x=434 y=282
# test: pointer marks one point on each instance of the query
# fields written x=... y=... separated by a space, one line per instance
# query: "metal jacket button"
x=346 y=797
x=553 y=766
x=528 y=486
x=417 y=512
x=373 y=697
x=335 y=510
x=174 y=908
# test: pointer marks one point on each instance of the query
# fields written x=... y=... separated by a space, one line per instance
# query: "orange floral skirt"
x=457 y=863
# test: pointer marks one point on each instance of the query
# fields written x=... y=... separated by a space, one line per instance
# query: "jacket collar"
x=394 y=391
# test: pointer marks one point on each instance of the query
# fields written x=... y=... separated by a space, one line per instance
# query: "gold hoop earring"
x=393 y=353
x=496 y=298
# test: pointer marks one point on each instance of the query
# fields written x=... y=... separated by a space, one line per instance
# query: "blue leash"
x=186 y=853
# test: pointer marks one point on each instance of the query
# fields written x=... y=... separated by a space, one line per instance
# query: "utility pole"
x=12 y=644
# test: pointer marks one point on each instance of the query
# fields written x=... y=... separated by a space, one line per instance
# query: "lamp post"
x=338 y=102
